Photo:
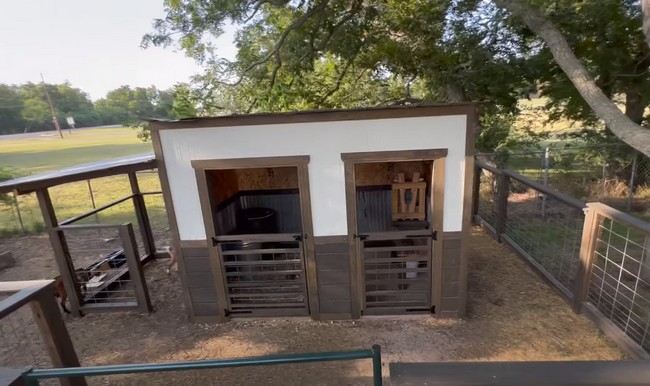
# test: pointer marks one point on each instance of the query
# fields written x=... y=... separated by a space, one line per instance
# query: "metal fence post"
x=587 y=252
x=545 y=179
x=503 y=190
x=376 y=365
x=630 y=187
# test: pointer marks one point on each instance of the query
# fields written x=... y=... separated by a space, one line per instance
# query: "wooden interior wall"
x=225 y=184
x=383 y=173
x=268 y=178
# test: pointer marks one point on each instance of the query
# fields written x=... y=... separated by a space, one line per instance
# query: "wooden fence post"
x=142 y=216
x=503 y=190
x=476 y=191
x=587 y=252
x=55 y=335
x=136 y=274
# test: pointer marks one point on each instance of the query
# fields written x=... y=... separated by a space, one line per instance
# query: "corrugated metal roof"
x=81 y=172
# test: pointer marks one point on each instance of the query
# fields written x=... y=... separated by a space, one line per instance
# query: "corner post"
x=135 y=267
x=587 y=252
x=142 y=216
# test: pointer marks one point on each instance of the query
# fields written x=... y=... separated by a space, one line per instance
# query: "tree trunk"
x=634 y=106
x=645 y=8
x=628 y=131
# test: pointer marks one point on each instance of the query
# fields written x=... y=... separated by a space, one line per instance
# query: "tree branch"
x=629 y=132
x=283 y=36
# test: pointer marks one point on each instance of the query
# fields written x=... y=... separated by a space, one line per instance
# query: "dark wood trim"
x=592 y=373
x=136 y=273
x=476 y=187
x=249 y=163
x=59 y=247
x=171 y=216
x=308 y=240
x=394 y=156
x=206 y=198
x=472 y=126
x=319 y=240
x=193 y=244
x=614 y=333
x=356 y=268
x=141 y=213
x=55 y=335
x=30 y=187
x=437 y=222
x=317 y=116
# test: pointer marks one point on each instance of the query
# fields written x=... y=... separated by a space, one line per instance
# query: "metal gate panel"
x=397 y=273
x=265 y=276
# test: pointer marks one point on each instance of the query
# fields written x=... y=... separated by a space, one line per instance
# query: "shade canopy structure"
x=103 y=168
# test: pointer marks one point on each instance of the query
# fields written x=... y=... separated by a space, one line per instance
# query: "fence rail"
x=32 y=377
x=597 y=257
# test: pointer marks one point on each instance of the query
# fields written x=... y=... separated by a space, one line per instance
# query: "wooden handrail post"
x=55 y=335
x=136 y=274
x=503 y=190
x=143 y=217
x=587 y=252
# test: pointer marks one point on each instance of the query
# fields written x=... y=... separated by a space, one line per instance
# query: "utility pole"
x=54 y=118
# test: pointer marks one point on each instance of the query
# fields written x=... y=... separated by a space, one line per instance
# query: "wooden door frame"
x=350 y=160
x=206 y=196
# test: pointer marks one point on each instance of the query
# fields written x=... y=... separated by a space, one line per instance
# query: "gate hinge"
x=360 y=237
x=433 y=309
x=226 y=312
x=215 y=242
x=434 y=236
x=297 y=237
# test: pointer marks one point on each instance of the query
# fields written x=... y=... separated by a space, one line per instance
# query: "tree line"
x=24 y=107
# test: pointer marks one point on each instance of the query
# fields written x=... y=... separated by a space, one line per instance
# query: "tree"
x=409 y=38
x=183 y=105
x=36 y=112
x=11 y=106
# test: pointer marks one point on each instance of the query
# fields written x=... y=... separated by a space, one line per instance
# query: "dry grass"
x=512 y=315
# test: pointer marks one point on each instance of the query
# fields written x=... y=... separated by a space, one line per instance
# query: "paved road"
x=37 y=134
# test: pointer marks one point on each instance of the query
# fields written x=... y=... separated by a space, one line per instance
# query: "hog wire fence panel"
x=487 y=199
x=619 y=284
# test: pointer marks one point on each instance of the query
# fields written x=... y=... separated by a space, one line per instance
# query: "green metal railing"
x=32 y=376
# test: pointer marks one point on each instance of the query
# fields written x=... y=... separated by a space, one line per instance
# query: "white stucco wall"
x=323 y=142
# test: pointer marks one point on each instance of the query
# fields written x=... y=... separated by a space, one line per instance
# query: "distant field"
x=49 y=152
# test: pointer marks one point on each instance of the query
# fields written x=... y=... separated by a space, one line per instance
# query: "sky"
x=95 y=45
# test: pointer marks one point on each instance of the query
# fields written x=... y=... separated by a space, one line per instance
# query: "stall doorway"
x=396 y=216
x=261 y=232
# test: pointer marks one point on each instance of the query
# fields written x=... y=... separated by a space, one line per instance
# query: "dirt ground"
x=512 y=316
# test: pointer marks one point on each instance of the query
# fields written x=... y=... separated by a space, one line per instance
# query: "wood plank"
x=590 y=231
x=594 y=373
x=437 y=221
x=325 y=240
x=336 y=261
x=171 y=216
x=59 y=247
x=56 y=339
x=336 y=307
x=136 y=274
x=356 y=269
x=11 y=287
x=142 y=216
x=308 y=241
x=239 y=252
x=394 y=155
x=250 y=163
x=334 y=292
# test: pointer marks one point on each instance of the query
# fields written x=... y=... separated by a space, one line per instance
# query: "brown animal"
x=61 y=293
x=174 y=258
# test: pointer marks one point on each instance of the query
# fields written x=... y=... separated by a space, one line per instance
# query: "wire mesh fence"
x=547 y=230
x=487 y=198
x=619 y=285
x=611 y=254
x=613 y=174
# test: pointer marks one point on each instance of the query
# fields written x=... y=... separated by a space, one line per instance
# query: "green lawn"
x=48 y=152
